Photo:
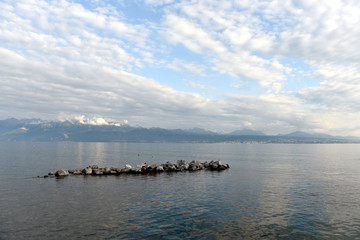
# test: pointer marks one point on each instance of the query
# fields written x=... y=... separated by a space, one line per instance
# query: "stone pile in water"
x=180 y=165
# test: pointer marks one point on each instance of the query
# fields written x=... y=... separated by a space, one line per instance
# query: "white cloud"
x=265 y=72
x=180 y=65
x=62 y=57
x=82 y=119
x=324 y=30
x=158 y=2
x=195 y=84
x=229 y=41
x=63 y=29
x=192 y=36
x=110 y=93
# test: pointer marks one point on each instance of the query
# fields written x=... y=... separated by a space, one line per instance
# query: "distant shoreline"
x=26 y=130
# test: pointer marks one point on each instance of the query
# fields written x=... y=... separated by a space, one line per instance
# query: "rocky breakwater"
x=179 y=166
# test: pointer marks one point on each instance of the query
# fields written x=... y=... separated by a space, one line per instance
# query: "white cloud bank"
x=98 y=121
x=297 y=62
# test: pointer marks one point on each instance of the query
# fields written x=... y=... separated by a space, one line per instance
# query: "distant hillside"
x=199 y=131
x=46 y=131
x=247 y=132
x=308 y=135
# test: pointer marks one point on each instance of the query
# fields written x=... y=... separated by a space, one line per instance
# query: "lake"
x=271 y=191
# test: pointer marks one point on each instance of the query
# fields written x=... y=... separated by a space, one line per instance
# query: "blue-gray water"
x=271 y=191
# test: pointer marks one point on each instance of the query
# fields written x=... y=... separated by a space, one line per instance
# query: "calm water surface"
x=271 y=191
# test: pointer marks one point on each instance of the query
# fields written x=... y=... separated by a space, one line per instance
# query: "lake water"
x=271 y=191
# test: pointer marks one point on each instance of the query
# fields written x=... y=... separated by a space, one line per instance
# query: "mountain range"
x=38 y=130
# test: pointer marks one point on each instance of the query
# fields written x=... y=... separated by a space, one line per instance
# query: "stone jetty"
x=179 y=166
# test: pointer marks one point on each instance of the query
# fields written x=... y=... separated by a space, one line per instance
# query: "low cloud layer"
x=274 y=66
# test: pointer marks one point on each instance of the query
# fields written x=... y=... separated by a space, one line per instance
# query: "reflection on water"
x=270 y=192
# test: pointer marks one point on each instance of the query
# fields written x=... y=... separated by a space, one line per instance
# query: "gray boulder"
x=182 y=162
x=94 y=166
x=136 y=169
x=62 y=173
x=77 y=171
x=160 y=168
x=107 y=170
x=152 y=167
x=87 y=171
x=97 y=171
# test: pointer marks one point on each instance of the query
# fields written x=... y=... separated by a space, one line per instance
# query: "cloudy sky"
x=275 y=66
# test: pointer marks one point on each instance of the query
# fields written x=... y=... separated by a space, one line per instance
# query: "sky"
x=275 y=66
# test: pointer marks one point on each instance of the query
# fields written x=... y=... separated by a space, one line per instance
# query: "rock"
x=195 y=166
x=213 y=166
x=166 y=166
x=182 y=162
x=172 y=167
x=77 y=171
x=143 y=167
x=87 y=171
x=192 y=167
x=97 y=171
x=197 y=163
x=221 y=167
x=180 y=165
x=185 y=167
x=152 y=166
x=216 y=165
x=136 y=169
x=160 y=168
x=62 y=173
x=107 y=170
